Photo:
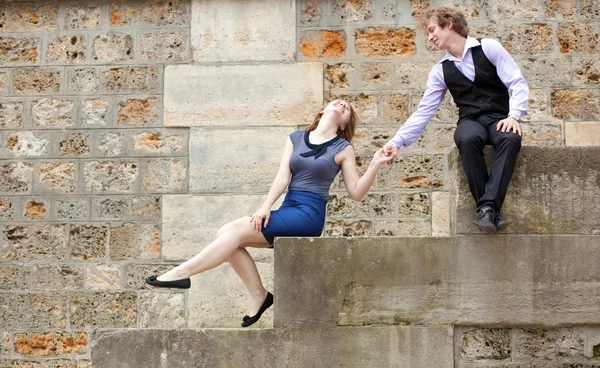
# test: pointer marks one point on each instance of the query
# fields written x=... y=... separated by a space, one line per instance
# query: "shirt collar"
x=470 y=43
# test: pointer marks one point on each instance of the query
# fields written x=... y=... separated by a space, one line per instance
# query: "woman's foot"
x=267 y=302
x=178 y=284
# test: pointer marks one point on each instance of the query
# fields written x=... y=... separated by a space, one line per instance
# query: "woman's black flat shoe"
x=247 y=320
x=177 y=284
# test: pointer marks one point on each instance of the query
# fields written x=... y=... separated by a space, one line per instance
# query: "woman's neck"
x=326 y=130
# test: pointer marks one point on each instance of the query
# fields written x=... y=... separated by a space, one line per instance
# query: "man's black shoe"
x=177 y=284
x=486 y=219
x=501 y=222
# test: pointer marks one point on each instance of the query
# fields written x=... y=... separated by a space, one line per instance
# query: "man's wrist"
x=516 y=117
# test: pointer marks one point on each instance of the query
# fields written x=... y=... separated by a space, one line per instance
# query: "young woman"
x=311 y=160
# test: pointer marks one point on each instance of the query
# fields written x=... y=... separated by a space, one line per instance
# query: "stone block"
x=164 y=142
x=53 y=113
x=36 y=80
x=93 y=112
x=29 y=17
x=4 y=77
x=484 y=31
x=7 y=208
x=236 y=95
x=165 y=46
x=544 y=134
x=531 y=39
x=34 y=311
x=50 y=363
x=56 y=177
x=33 y=242
x=83 y=80
x=83 y=16
x=136 y=274
x=35 y=210
x=103 y=277
x=526 y=10
x=134 y=241
x=364 y=105
x=40 y=277
x=559 y=9
x=110 y=176
x=70 y=49
x=369 y=139
x=112 y=47
x=337 y=75
x=111 y=145
x=15 y=177
x=323 y=44
x=583 y=104
x=412 y=74
x=538 y=106
x=49 y=344
x=377 y=75
x=348 y=228
x=586 y=71
x=563 y=343
x=11 y=114
x=589 y=9
x=310 y=12
x=255 y=31
x=414 y=204
x=5 y=343
x=156 y=12
x=403 y=227
x=162 y=310
x=377 y=205
x=134 y=79
x=71 y=208
x=441 y=218
x=485 y=343
x=384 y=41
x=536 y=71
x=394 y=108
x=413 y=171
x=443 y=137
x=165 y=175
x=19 y=50
x=217 y=166
x=88 y=242
x=577 y=38
x=351 y=12
x=103 y=310
x=74 y=144
x=110 y=208
x=341 y=205
x=135 y=112
x=582 y=133
x=27 y=144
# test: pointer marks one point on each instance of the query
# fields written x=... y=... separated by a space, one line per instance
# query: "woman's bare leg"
x=245 y=267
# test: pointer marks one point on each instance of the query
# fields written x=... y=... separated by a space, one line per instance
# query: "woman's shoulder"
x=296 y=135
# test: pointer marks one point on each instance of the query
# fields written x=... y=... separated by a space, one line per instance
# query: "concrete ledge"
x=390 y=346
x=510 y=280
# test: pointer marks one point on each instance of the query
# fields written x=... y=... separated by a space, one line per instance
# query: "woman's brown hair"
x=347 y=133
x=445 y=16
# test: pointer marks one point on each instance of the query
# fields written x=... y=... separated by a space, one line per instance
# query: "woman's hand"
x=381 y=158
x=262 y=214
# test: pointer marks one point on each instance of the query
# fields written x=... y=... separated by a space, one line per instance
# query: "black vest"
x=485 y=96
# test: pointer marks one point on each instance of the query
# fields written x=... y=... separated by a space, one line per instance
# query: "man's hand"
x=508 y=124
x=390 y=150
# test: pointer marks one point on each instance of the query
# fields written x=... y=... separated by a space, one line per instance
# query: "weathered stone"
x=26 y=144
x=19 y=50
x=112 y=47
x=20 y=17
x=32 y=242
x=586 y=71
x=132 y=79
x=311 y=12
x=394 y=108
x=385 y=41
x=152 y=142
x=403 y=228
x=110 y=176
x=75 y=144
x=103 y=310
x=443 y=137
x=136 y=274
x=36 y=80
x=325 y=43
x=88 y=242
x=50 y=363
x=376 y=75
x=50 y=343
x=412 y=73
x=102 y=277
x=93 y=111
x=11 y=114
x=72 y=209
x=162 y=310
x=544 y=134
x=348 y=12
x=15 y=177
x=165 y=175
x=58 y=176
x=155 y=12
x=145 y=207
x=559 y=9
x=487 y=31
x=561 y=343
x=33 y=310
x=538 y=107
x=392 y=11
x=4 y=343
x=340 y=205
x=134 y=241
x=577 y=38
x=83 y=16
x=377 y=205
x=364 y=105
x=582 y=133
x=513 y=10
x=165 y=46
x=532 y=39
x=53 y=113
x=3 y=82
x=40 y=277
x=369 y=139
x=348 y=228
x=589 y=9
x=139 y=112
x=7 y=208
x=414 y=204
x=83 y=80
x=418 y=171
x=337 y=75
x=35 y=210
x=67 y=50
x=486 y=343
x=112 y=144
x=110 y=208
x=536 y=72
x=442 y=219
x=581 y=104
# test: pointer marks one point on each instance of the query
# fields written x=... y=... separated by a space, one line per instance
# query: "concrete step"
x=555 y=190
x=384 y=346
x=508 y=280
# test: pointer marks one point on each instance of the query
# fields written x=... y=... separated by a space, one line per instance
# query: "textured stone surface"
x=36 y=80
x=88 y=242
x=102 y=277
x=93 y=112
x=583 y=104
x=50 y=363
x=443 y=137
x=112 y=47
x=310 y=12
x=67 y=50
x=11 y=114
x=340 y=205
x=154 y=12
x=414 y=204
x=325 y=43
x=513 y=10
x=110 y=208
x=18 y=50
x=3 y=82
x=352 y=11
x=413 y=73
x=586 y=71
x=26 y=144
x=146 y=207
x=559 y=9
x=582 y=133
x=103 y=310
x=110 y=176
x=15 y=177
x=547 y=135
x=83 y=80
x=29 y=17
x=51 y=344
x=32 y=242
x=369 y=139
x=348 y=228
x=282 y=94
x=83 y=16
x=577 y=38
x=377 y=205
x=589 y=9
x=35 y=210
x=112 y=144
x=561 y=343
x=377 y=74
x=7 y=208
x=72 y=209
x=164 y=46
x=136 y=274
x=58 y=177
x=165 y=176
x=486 y=343
x=40 y=277
x=385 y=41
x=53 y=113
x=440 y=214
x=134 y=241
x=337 y=75
x=132 y=79
x=538 y=106
x=394 y=108
x=403 y=228
x=33 y=311
x=138 y=112
x=74 y=144
x=162 y=310
x=536 y=71
x=530 y=39
x=159 y=143
x=418 y=171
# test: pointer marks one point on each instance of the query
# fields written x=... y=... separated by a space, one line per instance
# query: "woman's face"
x=340 y=107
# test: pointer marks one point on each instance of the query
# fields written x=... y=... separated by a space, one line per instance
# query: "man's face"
x=437 y=35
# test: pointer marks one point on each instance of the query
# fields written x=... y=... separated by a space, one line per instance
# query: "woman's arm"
x=281 y=181
x=358 y=187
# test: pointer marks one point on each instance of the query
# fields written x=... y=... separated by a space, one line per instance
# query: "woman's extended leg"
x=244 y=266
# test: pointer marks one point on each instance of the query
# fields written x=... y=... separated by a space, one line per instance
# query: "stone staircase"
x=529 y=297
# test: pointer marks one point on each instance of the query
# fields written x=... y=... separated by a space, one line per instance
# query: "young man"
x=491 y=95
